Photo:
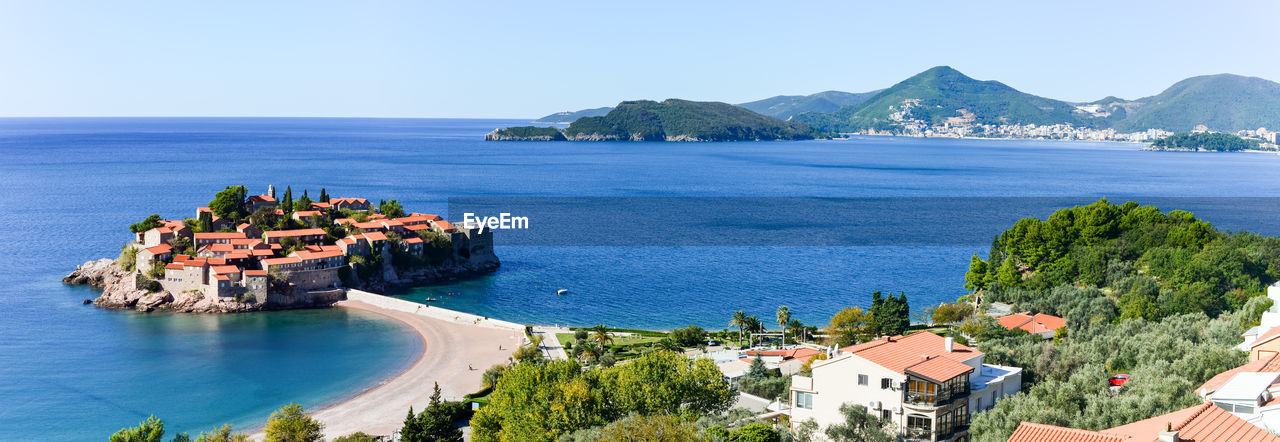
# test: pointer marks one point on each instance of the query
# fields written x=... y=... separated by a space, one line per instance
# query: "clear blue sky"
x=527 y=59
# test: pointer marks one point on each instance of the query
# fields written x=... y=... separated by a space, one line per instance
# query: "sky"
x=494 y=59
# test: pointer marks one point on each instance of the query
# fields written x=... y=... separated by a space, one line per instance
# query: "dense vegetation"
x=541 y=400
x=786 y=106
x=1218 y=142
x=288 y=424
x=1222 y=102
x=681 y=119
x=1160 y=296
x=1152 y=264
x=942 y=92
x=528 y=133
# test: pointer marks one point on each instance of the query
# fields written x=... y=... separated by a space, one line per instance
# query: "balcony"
x=918 y=434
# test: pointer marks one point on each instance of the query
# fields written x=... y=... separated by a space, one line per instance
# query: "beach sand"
x=448 y=347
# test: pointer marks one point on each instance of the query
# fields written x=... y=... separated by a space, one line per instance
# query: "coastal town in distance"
x=422 y=221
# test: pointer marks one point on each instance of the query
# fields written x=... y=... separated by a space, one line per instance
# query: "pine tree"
x=287 y=203
x=324 y=196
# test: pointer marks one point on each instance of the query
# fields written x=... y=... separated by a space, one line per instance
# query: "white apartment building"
x=926 y=385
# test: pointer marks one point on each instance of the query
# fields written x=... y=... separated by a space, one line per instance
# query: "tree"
x=977 y=278
x=303 y=203
x=152 y=221
x=222 y=434
x=150 y=430
x=755 y=432
x=205 y=222
x=849 y=325
x=889 y=316
x=434 y=423
x=601 y=335
x=391 y=209
x=784 y=319
x=662 y=428
x=229 y=203
x=360 y=436
x=739 y=319
x=858 y=426
x=292 y=424
x=798 y=327
x=324 y=196
x=286 y=204
x=950 y=312
x=491 y=376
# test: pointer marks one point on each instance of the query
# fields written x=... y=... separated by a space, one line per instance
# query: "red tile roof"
x=306 y=213
x=305 y=254
x=220 y=247
x=216 y=261
x=413 y=240
x=195 y=262
x=180 y=258
x=222 y=277
x=375 y=236
x=160 y=249
x=376 y=216
x=262 y=252
x=1269 y=335
x=237 y=255
x=219 y=235
x=1265 y=365
x=939 y=369
x=255 y=273
x=262 y=199
x=294 y=232
x=225 y=270
x=320 y=205
x=1202 y=423
x=443 y=225
x=898 y=354
x=1033 y=432
x=174 y=266
x=417 y=227
x=279 y=261
x=1031 y=324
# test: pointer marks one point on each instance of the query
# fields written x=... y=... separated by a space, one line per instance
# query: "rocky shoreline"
x=119 y=291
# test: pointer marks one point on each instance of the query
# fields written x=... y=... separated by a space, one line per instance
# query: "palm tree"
x=740 y=320
x=753 y=325
x=601 y=334
x=784 y=318
x=797 y=326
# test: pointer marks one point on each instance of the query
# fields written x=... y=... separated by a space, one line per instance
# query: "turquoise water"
x=70 y=187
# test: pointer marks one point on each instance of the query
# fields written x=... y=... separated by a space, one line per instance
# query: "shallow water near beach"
x=72 y=186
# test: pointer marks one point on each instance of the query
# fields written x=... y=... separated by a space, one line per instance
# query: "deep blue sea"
x=70 y=187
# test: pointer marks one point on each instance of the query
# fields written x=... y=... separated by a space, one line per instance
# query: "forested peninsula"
x=669 y=120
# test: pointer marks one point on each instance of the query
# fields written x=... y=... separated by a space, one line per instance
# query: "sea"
x=69 y=188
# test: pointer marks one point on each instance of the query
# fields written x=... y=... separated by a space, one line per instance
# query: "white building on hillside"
x=924 y=384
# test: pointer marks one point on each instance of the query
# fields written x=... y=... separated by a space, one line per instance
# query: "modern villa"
x=926 y=385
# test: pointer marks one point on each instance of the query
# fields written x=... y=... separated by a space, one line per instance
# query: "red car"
x=1119 y=380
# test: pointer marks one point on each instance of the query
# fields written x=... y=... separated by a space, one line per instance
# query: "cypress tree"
x=287 y=203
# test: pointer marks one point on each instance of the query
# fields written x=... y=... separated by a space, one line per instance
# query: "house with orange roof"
x=307 y=216
x=163 y=234
x=1037 y=324
x=360 y=204
x=925 y=385
x=305 y=236
x=256 y=202
x=149 y=256
x=206 y=238
x=1200 y=423
x=324 y=259
x=249 y=230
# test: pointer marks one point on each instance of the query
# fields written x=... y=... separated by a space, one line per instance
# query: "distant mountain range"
x=941 y=95
x=787 y=106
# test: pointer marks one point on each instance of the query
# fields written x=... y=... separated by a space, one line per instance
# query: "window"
x=886 y=415
x=921 y=391
x=960 y=417
x=919 y=427
x=862 y=379
x=885 y=382
x=803 y=400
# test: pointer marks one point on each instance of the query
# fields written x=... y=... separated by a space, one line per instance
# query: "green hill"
x=940 y=93
x=569 y=117
x=683 y=120
x=786 y=106
x=1223 y=102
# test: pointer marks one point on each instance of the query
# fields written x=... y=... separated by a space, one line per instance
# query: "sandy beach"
x=448 y=348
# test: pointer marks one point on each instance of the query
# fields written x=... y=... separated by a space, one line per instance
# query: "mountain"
x=670 y=120
x=569 y=117
x=1222 y=102
x=943 y=93
x=786 y=106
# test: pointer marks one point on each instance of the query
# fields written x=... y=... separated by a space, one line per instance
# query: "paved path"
x=550 y=344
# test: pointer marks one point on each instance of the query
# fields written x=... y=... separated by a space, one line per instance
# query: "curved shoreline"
x=453 y=354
